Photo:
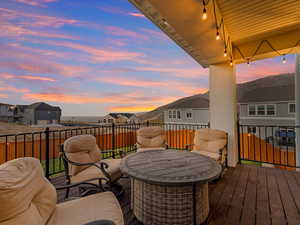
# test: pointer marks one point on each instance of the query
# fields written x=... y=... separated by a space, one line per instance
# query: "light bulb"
x=204 y=15
x=218 y=35
x=225 y=53
x=231 y=63
x=283 y=59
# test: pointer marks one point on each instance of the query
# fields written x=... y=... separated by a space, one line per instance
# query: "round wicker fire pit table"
x=170 y=187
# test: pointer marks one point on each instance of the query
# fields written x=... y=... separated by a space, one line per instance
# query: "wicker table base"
x=155 y=204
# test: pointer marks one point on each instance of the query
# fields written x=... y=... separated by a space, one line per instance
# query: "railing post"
x=113 y=139
x=239 y=144
x=47 y=143
x=147 y=124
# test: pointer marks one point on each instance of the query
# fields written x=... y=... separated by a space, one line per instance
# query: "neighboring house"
x=36 y=113
x=199 y=113
x=42 y=114
x=120 y=118
x=6 y=112
x=269 y=106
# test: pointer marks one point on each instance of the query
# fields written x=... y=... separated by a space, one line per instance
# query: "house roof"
x=115 y=115
x=270 y=94
x=44 y=106
x=4 y=104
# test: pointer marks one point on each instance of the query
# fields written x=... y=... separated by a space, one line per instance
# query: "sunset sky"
x=95 y=56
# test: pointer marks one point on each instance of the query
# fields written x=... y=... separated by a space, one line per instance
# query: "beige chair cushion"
x=213 y=155
x=102 y=206
x=147 y=149
x=209 y=140
x=94 y=172
x=148 y=137
x=26 y=196
x=81 y=149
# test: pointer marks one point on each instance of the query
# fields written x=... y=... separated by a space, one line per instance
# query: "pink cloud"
x=136 y=14
x=260 y=69
x=136 y=98
x=35 y=20
x=15 y=31
x=127 y=81
x=118 y=31
x=100 y=54
x=40 y=3
x=3 y=95
x=26 y=77
x=8 y=88
x=45 y=67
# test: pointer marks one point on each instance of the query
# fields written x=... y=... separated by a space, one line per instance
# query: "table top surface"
x=170 y=167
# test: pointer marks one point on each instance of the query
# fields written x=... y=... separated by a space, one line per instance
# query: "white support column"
x=297 y=107
x=223 y=105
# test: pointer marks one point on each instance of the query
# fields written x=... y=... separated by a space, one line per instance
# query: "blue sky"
x=92 y=57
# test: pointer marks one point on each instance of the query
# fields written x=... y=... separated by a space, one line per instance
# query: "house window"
x=174 y=114
x=270 y=110
x=110 y=120
x=292 y=108
x=189 y=115
x=104 y=121
x=251 y=110
x=261 y=110
x=170 y=114
x=178 y=115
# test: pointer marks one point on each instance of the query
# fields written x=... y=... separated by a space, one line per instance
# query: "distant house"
x=6 y=112
x=120 y=118
x=198 y=113
x=36 y=113
x=269 y=106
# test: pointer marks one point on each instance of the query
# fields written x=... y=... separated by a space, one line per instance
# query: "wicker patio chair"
x=151 y=138
x=28 y=198
x=82 y=161
x=212 y=143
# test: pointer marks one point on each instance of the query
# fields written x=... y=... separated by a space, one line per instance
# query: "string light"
x=204 y=15
x=218 y=35
x=283 y=59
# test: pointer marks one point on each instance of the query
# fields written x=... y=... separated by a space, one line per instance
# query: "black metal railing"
x=44 y=145
x=273 y=145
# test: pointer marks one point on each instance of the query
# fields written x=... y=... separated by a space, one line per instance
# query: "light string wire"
x=220 y=25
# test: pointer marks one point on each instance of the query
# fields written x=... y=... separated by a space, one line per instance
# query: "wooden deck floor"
x=246 y=195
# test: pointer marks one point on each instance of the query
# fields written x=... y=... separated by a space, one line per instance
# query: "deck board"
x=245 y=195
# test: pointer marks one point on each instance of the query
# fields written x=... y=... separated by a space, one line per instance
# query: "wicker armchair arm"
x=86 y=182
x=102 y=166
x=101 y=222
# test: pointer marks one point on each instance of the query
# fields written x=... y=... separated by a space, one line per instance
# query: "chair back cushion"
x=26 y=196
x=81 y=149
x=210 y=140
x=148 y=137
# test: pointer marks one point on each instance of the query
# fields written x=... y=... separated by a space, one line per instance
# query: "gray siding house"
x=6 y=112
x=120 y=118
x=34 y=114
x=198 y=114
x=270 y=106
x=42 y=114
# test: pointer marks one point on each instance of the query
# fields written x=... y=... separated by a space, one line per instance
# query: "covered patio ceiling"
x=249 y=29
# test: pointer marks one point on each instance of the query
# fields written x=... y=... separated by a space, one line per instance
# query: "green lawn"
x=246 y=162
